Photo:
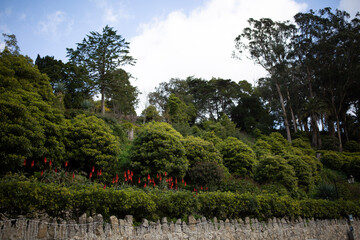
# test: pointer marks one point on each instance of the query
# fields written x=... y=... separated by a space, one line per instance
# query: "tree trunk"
x=288 y=133
x=337 y=123
x=316 y=139
x=103 y=101
x=291 y=111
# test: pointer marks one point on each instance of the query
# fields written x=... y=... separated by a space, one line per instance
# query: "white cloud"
x=201 y=43
x=351 y=6
x=112 y=12
x=56 y=25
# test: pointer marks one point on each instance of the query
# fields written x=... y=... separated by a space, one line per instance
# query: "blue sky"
x=169 y=38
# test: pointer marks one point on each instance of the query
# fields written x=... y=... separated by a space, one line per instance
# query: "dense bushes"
x=238 y=157
x=158 y=148
x=21 y=197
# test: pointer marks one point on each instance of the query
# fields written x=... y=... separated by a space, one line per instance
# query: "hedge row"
x=21 y=197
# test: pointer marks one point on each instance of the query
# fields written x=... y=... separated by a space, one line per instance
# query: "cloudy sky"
x=169 y=38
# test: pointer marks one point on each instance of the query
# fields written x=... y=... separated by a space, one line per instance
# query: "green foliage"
x=329 y=143
x=276 y=169
x=302 y=170
x=223 y=128
x=158 y=148
x=354 y=168
x=238 y=157
x=30 y=127
x=179 y=204
x=21 y=196
x=150 y=114
x=207 y=174
x=332 y=160
x=303 y=145
x=90 y=142
x=200 y=150
x=261 y=148
x=325 y=191
x=352 y=146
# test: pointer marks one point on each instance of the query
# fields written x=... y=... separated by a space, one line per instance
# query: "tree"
x=11 y=43
x=122 y=95
x=101 y=54
x=268 y=45
x=69 y=81
x=158 y=148
x=31 y=128
x=238 y=157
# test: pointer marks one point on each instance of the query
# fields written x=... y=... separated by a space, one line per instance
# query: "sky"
x=169 y=38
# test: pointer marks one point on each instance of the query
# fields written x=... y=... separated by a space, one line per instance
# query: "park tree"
x=267 y=42
x=122 y=95
x=11 y=43
x=31 y=128
x=101 y=54
x=69 y=81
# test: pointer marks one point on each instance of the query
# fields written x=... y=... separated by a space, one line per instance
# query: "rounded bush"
x=238 y=157
x=332 y=160
x=158 y=148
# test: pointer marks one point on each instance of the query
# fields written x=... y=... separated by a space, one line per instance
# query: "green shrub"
x=261 y=148
x=352 y=146
x=332 y=160
x=200 y=150
x=206 y=174
x=238 y=157
x=25 y=197
x=330 y=143
x=158 y=148
x=276 y=169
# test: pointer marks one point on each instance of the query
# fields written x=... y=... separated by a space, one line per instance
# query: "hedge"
x=23 y=197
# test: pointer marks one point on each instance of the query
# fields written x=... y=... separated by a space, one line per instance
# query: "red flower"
x=32 y=163
x=90 y=176
x=165 y=174
x=132 y=174
x=105 y=186
x=128 y=172
x=125 y=174
x=24 y=162
x=126 y=179
x=100 y=172
x=185 y=184
x=42 y=172
x=113 y=180
x=182 y=180
x=149 y=177
x=93 y=169
x=157 y=175
x=201 y=188
x=73 y=176
x=50 y=163
x=66 y=164
x=139 y=180
x=45 y=160
x=175 y=180
x=160 y=178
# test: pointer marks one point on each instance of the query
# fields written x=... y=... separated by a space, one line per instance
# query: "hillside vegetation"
x=202 y=147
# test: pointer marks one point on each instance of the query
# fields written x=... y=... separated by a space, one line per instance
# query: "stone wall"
x=90 y=228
